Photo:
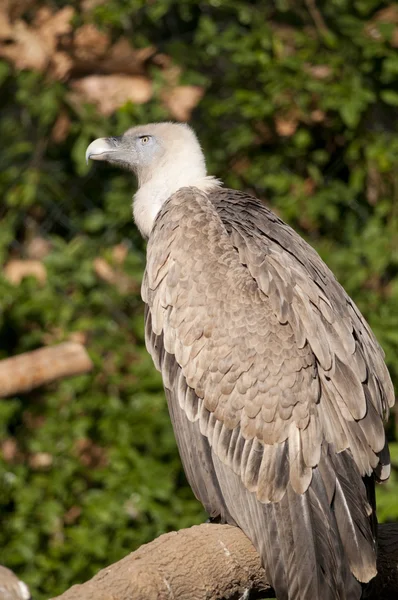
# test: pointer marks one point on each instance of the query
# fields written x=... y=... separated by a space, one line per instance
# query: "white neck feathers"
x=168 y=179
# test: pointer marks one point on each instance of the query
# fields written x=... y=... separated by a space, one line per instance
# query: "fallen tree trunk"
x=210 y=561
x=27 y=371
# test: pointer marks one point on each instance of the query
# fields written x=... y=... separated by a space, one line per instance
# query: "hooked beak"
x=102 y=148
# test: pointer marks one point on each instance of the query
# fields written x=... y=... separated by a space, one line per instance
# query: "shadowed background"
x=295 y=101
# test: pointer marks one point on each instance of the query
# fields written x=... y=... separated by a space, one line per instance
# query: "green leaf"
x=389 y=97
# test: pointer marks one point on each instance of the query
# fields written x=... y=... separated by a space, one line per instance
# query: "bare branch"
x=316 y=16
x=209 y=561
x=32 y=369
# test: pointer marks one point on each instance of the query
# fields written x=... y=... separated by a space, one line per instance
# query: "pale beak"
x=101 y=149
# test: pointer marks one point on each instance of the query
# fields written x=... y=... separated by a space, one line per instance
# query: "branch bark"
x=30 y=370
x=12 y=588
x=210 y=561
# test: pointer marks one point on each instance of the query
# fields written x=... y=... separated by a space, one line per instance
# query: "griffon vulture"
x=276 y=386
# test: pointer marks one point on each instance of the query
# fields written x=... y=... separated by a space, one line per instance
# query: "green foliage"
x=387 y=494
x=114 y=481
x=302 y=115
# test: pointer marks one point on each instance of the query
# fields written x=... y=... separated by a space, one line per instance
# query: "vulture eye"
x=144 y=139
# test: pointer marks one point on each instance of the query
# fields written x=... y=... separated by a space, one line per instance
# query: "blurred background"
x=295 y=101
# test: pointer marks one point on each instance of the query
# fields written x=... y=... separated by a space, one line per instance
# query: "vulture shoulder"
x=274 y=361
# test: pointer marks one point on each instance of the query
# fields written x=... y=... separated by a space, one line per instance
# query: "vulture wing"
x=276 y=388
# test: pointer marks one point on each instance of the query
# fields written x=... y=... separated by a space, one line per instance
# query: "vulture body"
x=276 y=386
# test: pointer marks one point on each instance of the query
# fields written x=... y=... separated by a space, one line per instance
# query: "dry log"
x=11 y=588
x=30 y=370
x=210 y=561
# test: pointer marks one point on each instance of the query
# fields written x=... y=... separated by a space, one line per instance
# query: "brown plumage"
x=276 y=386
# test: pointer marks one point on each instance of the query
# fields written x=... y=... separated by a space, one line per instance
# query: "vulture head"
x=164 y=157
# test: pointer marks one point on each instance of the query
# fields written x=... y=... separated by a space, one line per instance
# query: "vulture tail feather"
x=355 y=516
x=298 y=538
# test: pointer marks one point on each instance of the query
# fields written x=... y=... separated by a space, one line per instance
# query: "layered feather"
x=276 y=386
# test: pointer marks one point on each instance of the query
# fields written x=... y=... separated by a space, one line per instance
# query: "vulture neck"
x=155 y=190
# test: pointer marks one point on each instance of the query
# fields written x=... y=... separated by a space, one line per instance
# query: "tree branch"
x=316 y=16
x=210 y=561
x=32 y=369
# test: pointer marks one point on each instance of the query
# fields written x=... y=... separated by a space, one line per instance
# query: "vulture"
x=276 y=386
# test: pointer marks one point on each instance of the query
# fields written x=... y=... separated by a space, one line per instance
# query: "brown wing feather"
x=350 y=361
x=284 y=367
